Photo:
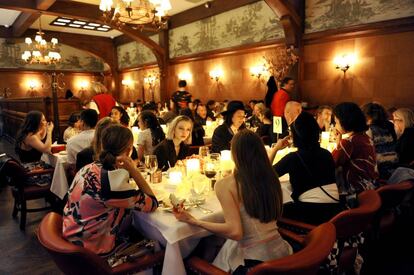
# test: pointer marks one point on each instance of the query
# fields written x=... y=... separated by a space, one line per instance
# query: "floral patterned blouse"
x=97 y=202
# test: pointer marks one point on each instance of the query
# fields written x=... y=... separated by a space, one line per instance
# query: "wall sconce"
x=151 y=80
x=258 y=71
x=83 y=85
x=344 y=62
x=126 y=82
x=32 y=83
x=185 y=76
x=216 y=74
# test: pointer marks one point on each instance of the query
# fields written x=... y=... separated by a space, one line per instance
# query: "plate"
x=63 y=153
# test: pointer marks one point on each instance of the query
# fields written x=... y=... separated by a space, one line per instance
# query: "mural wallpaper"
x=245 y=25
x=331 y=14
x=134 y=54
x=72 y=59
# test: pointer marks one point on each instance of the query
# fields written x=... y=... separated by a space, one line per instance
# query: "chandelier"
x=138 y=13
x=40 y=51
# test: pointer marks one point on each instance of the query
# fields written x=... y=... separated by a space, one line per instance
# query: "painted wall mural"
x=332 y=14
x=134 y=54
x=245 y=25
x=72 y=59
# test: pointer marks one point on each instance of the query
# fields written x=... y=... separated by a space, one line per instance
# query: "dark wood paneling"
x=14 y=111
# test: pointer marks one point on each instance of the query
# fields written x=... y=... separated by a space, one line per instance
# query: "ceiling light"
x=63 y=20
x=59 y=23
x=88 y=27
x=74 y=25
x=79 y=22
x=136 y=12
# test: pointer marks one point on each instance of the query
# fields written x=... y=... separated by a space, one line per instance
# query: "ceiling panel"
x=177 y=5
x=46 y=19
x=7 y=17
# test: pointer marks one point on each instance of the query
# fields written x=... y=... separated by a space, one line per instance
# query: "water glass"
x=203 y=151
x=151 y=164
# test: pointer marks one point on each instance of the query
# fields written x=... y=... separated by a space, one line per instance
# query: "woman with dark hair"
x=382 y=133
x=101 y=193
x=91 y=153
x=201 y=115
x=175 y=146
x=198 y=132
x=271 y=90
x=151 y=133
x=118 y=114
x=251 y=199
x=311 y=172
x=355 y=152
x=74 y=126
x=30 y=141
x=233 y=122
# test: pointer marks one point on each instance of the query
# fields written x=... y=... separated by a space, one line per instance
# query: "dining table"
x=59 y=185
x=180 y=238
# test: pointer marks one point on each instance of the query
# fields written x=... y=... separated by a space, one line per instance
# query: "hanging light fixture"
x=137 y=13
x=40 y=51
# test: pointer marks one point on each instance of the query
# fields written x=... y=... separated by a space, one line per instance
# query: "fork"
x=203 y=209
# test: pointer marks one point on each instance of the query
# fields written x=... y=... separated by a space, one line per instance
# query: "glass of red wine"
x=210 y=170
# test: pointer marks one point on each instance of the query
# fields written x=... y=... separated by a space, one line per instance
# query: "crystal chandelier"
x=138 y=13
x=40 y=51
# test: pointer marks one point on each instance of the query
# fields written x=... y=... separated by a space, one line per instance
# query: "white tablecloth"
x=180 y=238
x=59 y=185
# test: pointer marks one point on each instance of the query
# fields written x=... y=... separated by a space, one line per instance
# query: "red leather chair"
x=391 y=195
x=76 y=260
x=348 y=223
x=316 y=247
x=22 y=192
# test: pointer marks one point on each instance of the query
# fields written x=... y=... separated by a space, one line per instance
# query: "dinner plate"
x=63 y=153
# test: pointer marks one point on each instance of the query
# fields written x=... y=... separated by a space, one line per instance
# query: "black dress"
x=405 y=148
x=197 y=135
x=31 y=155
x=166 y=155
x=222 y=137
x=319 y=171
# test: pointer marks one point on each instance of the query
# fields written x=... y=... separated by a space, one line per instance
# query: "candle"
x=209 y=123
x=226 y=163
x=175 y=177
x=193 y=166
x=135 y=131
x=325 y=139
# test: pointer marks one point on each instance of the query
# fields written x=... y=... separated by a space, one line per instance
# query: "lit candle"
x=209 y=123
x=226 y=162
x=135 y=131
x=325 y=139
x=175 y=177
x=193 y=166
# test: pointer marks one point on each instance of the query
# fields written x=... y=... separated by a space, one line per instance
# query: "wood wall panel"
x=237 y=83
x=383 y=71
x=17 y=82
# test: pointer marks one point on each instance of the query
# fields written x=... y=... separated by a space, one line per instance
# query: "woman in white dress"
x=251 y=199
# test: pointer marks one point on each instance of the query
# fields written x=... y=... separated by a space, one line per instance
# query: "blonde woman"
x=175 y=146
x=404 y=128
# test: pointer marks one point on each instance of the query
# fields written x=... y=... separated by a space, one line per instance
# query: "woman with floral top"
x=101 y=194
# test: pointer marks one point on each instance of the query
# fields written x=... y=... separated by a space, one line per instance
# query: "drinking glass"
x=151 y=164
x=211 y=167
x=203 y=151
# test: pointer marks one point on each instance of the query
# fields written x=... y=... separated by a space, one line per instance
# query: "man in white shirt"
x=88 y=120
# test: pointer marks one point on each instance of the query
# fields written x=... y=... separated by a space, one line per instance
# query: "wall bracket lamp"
x=216 y=74
x=344 y=62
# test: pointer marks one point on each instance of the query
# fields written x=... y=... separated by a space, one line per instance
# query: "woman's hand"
x=182 y=215
x=282 y=143
x=125 y=162
x=50 y=127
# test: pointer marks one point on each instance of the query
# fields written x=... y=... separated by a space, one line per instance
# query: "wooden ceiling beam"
x=289 y=12
x=201 y=12
x=84 y=11
x=23 y=22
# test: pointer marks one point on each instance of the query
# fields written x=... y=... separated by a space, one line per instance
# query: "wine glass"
x=210 y=170
x=151 y=164
x=203 y=151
